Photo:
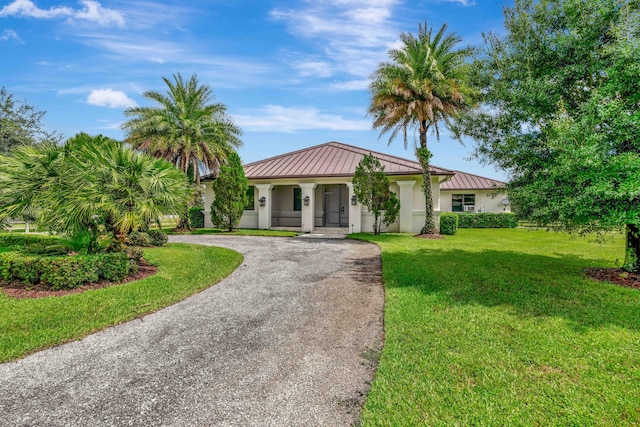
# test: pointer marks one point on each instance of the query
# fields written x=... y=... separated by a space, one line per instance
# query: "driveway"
x=288 y=339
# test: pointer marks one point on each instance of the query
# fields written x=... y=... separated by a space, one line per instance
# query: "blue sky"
x=292 y=73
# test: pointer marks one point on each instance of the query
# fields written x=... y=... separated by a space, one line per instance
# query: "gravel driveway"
x=288 y=339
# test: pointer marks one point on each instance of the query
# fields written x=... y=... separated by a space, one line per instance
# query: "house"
x=311 y=189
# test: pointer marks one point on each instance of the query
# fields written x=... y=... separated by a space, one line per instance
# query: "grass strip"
x=503 y=327
x=29 y=325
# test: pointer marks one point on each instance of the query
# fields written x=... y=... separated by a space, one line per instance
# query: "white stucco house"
x=311 y=189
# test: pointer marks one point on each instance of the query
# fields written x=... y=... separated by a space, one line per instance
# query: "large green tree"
x=185 y=128
x=371 y=187
x=230 y=190
x=425 y=87
x=561 y=114
x=89 y=186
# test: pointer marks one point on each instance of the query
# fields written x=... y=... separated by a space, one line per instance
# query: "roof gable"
x=467 y=181
x=330 y=159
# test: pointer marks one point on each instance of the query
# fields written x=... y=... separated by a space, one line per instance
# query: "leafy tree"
x=425 y=86
x=20 y=124
x=230 y=189
x=371 y=187
x=561 y=114
x=89 y=186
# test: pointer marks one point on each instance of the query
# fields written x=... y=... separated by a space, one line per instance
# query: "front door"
x=335 y=206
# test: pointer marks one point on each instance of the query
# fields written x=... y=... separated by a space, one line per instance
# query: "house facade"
x=311 y=189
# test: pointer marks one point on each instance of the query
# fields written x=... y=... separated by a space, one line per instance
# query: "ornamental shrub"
x=487 y=220
x=138 y=238
x=158 y=237
x=448 y=223
x=196 y=217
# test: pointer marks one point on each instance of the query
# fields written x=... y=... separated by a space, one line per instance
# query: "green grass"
x=502 y=328
x=28 y=325
x=240 y=232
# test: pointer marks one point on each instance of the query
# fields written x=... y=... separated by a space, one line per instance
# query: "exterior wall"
x=486 y=200
x=282 y=211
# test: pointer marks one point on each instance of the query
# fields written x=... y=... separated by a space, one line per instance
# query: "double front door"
x=336 y=206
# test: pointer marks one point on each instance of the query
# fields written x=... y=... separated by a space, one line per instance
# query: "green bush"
x=158 y=237
x=487 y=220
x=448 y=223
x=138 y=238
x=21 y=239
x=196 y=217
x=63 y=272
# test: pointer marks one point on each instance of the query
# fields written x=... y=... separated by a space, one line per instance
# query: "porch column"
x=264 y=212
x=308 y=211
x=405 y=219
x=355 y=212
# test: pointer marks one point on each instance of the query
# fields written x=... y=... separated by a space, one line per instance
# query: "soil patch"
x=429 y=236
x=616 y=276
x=21 y=290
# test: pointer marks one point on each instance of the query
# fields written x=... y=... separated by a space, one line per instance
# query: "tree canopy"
x=560 y=114
x=424 y=86
x=230 y=189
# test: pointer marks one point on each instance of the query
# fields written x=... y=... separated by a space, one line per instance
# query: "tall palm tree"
x=423 y=86
x=185 y=129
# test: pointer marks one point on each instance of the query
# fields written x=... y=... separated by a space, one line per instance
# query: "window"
x=251 y=197
x=297 y=199
x=463 y=202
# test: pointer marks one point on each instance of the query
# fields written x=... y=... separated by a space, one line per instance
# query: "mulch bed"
x=429 y=236
x=615 y=275
x=21 y=290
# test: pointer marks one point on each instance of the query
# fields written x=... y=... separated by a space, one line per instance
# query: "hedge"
x=196 y=217
x=487 y=220
x=63 y=272
x=448 y=223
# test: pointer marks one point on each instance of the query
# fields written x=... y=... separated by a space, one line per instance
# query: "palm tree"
x=423 y=86
x=186 y=128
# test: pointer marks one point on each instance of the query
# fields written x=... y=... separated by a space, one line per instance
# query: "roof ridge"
x=287 y=154
x=479 y=176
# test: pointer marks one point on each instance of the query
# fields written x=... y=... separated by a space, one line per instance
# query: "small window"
x=251 y=198
x=463 y=202
x=297 y=199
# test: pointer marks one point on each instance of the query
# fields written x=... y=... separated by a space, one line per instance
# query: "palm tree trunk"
x=424 y=157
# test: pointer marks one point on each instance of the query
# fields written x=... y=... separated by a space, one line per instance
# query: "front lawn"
x=502 y=327
x=27 y=325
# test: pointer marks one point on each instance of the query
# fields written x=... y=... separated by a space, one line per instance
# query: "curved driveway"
x=287 y=339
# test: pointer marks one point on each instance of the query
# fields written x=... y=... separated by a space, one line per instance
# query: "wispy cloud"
x=360 y=84
x=91 y=11
x=10 y=35
x=110 y=98
x=462 y=2
x=276 y=118
x=352 y=35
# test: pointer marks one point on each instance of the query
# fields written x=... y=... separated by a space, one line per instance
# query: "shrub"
x=138 y=238
x=196 y=217
x=448 y=223
x=21 y=239
x=487 y=220
x=158 y=237
x=113 y=266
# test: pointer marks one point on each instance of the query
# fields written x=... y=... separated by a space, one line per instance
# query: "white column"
x=264 y=212
x=405 y=219
x=355 y=212
x=208 y=199
x=308 y=211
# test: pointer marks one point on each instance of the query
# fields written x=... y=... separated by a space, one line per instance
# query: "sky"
x=292 y=73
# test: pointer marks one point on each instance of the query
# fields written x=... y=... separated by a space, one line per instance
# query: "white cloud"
x=314 y=68
x=360 y=84
x=276 y=118
x=91 y=11
x=110 y=98
x=10 y=35
x=462 y=2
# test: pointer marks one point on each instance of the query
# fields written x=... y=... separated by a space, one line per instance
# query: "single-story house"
x=312 y=188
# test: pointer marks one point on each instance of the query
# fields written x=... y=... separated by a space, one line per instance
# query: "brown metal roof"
x=330 y=159
x=468 y=181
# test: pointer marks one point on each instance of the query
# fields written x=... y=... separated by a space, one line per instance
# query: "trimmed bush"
x=196 y=217
x=20 y=239
x=138 y=238
x=63 y=272
x=448 y=223
x=158 y=237
x=487 y=220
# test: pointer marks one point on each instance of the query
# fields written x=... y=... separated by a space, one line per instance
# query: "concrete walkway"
x=285 y=340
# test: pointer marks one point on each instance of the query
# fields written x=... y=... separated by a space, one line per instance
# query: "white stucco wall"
x=486 y=200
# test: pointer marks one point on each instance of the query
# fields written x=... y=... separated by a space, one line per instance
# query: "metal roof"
x=330 y=159
x=467 y=181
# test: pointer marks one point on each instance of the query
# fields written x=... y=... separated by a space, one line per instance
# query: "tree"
x=561 y=114
x=230 y=189
x=89 y=186
x=371 y=187
x=20 y=124
x=186 y=128
x=425 y=86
